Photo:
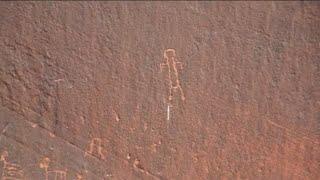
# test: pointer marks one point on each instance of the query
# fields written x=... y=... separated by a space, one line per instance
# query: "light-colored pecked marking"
x=168 y=113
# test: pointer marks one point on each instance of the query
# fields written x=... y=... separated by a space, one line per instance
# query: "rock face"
x=159 y=90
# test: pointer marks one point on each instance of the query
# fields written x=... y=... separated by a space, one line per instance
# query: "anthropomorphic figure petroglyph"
x=95 y=145
x=10 y=170
x=172 y=64
x=53 y=174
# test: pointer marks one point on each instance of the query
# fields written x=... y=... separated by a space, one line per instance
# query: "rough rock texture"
x=85 y=90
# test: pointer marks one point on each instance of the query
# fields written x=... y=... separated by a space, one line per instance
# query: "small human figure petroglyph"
x=96 y=145
x=10 y=170
x=54 y=174
x=172 y=64
x=174 y=83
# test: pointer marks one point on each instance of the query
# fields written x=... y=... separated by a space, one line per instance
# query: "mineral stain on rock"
x=236 y=96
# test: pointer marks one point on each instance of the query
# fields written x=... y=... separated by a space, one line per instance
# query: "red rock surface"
x=85 y=90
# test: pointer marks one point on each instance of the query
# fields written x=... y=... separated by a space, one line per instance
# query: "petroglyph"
x=138 y=166
x=10 y=170
x=79 y=177
x=95 y=146
x=168 y=112
x=108 y=175
x=116 y=115
x=288 y=130
x=5 y=128
x=53 y=174
x=172 y=64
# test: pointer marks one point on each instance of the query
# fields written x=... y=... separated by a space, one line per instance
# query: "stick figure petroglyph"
x=10 y=170
x=172 y=64
x=55 y=174
x=95 y=145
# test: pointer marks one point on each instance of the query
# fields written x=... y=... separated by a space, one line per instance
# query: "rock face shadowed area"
x=159 y=90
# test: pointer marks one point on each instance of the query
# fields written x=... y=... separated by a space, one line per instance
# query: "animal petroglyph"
x=96 y=146
x=53 y=174
x=10 y=170
x=172 y=64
